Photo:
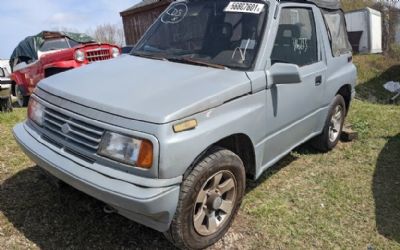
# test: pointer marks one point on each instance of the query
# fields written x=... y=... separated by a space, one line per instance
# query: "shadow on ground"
x=373 y=90
x=59 y=218
x=386 y=190
x=66 y=218
x=304 y=149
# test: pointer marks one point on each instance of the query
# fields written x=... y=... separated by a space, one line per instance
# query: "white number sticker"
x=254 y=8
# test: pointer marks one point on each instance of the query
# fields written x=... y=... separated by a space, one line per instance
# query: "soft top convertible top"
x=27 y=49
x=324 y=4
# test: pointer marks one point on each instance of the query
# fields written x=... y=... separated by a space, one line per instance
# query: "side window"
x=338 y=33
x=296 y=39
x=2 y=74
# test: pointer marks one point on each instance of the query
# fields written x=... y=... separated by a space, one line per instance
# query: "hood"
x=148 y=90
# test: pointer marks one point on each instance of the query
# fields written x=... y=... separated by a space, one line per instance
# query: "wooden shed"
x=138 y=18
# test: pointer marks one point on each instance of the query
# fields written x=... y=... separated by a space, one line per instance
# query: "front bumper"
x=5 y=90
x=153 y=207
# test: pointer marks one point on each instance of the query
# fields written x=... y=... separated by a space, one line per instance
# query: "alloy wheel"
x=336 y=123
x=215 y=202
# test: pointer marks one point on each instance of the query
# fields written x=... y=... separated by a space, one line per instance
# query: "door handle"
x=318 y=80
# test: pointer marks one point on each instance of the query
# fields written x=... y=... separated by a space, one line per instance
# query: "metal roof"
x=141 y=4
x=325 y=4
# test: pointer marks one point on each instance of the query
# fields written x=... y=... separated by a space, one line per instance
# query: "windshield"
x=57 y=44
x=218 y=32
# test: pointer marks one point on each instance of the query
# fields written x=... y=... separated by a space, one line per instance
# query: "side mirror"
x=2 y=73
x=284 y=73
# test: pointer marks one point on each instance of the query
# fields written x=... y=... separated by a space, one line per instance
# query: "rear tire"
x=333 y=126
x=210 y=197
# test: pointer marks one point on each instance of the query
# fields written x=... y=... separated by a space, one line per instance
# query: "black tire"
x=182 y=232
x=5 y=104
x=22 y=100
x=324 y=142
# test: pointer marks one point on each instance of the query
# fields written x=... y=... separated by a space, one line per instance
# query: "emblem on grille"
x=66 y=128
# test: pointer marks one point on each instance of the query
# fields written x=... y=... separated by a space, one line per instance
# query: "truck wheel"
x=333 y=126
x=5 y=104
x=210 y=197
x=21 y=99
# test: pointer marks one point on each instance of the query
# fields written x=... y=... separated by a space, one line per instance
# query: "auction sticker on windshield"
x=244 y=7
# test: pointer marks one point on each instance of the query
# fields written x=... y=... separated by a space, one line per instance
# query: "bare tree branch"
x=109 y=33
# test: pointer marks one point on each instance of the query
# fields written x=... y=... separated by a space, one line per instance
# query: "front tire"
x=5 y=104
x=333 y=126
x=21 y=99
x=210 y=197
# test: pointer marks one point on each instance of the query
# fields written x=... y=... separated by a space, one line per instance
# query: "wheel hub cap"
x=214 y=202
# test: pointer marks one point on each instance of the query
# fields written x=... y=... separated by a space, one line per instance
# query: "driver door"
x=293 y=110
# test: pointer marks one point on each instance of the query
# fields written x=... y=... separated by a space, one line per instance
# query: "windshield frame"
x=135 y=51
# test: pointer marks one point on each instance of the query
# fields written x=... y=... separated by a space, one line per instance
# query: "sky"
x=22 y=18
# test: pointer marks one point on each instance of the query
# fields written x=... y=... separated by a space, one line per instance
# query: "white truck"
x=5 y=89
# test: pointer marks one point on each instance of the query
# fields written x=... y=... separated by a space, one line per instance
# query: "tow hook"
x=109 y=210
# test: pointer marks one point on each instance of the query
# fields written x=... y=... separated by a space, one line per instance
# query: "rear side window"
x=336 y=25
x=296 y=39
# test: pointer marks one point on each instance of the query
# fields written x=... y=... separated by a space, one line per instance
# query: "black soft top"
x=324 y=4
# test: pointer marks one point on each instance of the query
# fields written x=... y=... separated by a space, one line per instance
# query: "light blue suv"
x=215 y=91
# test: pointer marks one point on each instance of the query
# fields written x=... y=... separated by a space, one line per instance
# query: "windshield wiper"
x=150 y=56
x=195 y=62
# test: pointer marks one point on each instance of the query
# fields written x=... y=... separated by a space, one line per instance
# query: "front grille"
x=98 y=55
x=71 y=133
x=5 y=82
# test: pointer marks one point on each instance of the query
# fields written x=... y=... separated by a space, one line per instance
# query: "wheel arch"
x=241 y=145
x=345 y=92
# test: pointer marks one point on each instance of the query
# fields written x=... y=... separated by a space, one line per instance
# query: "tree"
x=109 y=33
x=349 y=5
x=390 y=19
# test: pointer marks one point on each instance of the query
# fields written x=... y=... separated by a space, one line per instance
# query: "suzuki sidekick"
x=214 y=92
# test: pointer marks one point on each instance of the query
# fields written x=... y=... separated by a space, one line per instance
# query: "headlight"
x=80 y=55
x=115 y=52
x=36 y=111
x=128 y=150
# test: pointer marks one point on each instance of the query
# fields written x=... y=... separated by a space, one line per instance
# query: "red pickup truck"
x=49 y=53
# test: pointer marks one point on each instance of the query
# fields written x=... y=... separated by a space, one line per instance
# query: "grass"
x=373 y=72
x=345 y=199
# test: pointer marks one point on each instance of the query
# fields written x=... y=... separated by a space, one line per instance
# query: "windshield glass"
x=57 y=44
x=54 y=44
x=218 y=32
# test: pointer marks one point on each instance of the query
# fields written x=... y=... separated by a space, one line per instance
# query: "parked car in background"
x=49 y=53
x=215 y=91
x=5 y=90
x=127 y=49
x=5 y=64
